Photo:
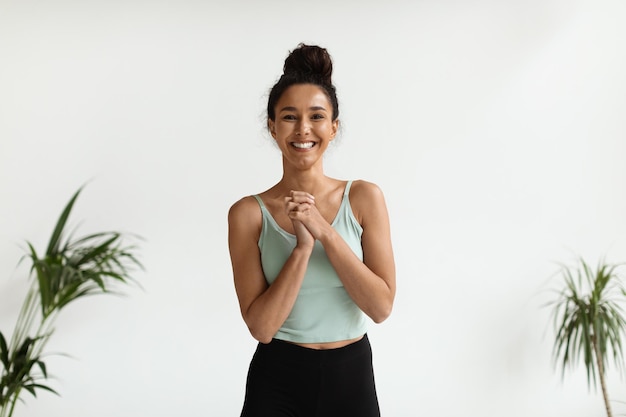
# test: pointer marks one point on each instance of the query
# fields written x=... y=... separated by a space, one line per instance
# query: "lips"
x=303 y=145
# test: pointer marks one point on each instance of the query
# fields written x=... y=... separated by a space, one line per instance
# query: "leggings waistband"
x=289 y=351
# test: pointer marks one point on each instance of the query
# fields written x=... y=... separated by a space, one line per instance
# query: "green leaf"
x=98 y=250
x=42 y=366
x=55 y=239
x=40 y=386
x=4 y=352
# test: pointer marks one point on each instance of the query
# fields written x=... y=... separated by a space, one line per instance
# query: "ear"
x=335 y=127
x=271 y=126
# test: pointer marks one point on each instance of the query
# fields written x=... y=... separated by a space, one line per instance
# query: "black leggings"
x=286 y=380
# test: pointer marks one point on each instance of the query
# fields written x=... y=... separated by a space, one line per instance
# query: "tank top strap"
x=347 y=189
x=259 y=200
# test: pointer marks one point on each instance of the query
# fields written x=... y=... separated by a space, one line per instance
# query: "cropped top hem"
x=318 y=339
x=323 y=311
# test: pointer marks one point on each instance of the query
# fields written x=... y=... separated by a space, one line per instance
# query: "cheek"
x=329 y=131
x=281 y=131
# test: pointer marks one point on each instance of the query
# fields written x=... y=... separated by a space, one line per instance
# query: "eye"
x=289 y=117
x=317 y=116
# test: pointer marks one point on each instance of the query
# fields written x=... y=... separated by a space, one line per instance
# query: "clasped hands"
x=307 y=221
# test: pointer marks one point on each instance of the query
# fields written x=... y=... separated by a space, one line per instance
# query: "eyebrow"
x=314 y=108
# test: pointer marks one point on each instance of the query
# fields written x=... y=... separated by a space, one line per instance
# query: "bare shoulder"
x=245 y=213
x=365 y=189
x=364 y=193
x=367 y=200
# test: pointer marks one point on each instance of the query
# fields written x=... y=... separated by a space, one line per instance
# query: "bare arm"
x=264 y=308
x=371 y=283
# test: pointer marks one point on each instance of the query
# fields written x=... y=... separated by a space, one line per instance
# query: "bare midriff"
x=328 y=345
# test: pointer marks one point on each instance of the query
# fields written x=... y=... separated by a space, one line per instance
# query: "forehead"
x=304 y=95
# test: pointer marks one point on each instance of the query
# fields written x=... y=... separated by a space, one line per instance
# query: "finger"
x=297 y=207
x=301 y=196
x=291 y=206
x=303 y=199
x=301 y=211
x=302 y=207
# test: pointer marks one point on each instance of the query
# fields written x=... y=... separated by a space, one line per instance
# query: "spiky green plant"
x=70 y=269
x=589 y=321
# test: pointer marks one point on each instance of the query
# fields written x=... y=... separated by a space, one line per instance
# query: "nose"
x=303 y=128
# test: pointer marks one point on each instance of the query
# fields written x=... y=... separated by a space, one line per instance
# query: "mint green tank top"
x=323 y=312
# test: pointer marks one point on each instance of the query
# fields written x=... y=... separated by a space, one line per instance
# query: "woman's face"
x=303 y=127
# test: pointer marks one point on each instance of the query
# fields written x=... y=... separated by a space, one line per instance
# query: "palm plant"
x=589 y=321
x=70 y=269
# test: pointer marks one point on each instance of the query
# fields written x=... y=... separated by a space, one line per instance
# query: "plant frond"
x=55 y=239
x=70 y=269
x=586 y=311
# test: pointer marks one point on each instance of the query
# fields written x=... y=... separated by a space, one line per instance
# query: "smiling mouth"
x=303 y=145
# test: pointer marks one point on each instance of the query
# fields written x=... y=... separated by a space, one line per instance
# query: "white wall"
x=495 y=128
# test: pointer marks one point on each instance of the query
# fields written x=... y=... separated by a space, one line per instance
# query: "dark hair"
x=307 y=64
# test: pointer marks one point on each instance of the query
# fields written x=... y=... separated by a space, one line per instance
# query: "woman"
x=311 y=257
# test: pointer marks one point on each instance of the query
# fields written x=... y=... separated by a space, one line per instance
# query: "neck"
x=310 y=180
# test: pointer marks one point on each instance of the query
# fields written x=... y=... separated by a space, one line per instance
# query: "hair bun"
x=310 y=60
x=307 y=64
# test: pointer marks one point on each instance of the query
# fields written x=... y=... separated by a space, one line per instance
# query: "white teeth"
x=305 y=145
